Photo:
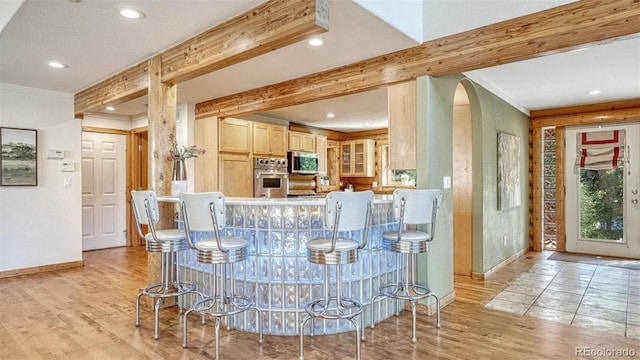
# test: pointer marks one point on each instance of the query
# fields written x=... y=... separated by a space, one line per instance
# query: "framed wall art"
x=508 y=171
x=19 y=161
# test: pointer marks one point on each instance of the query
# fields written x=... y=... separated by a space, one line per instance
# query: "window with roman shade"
x=600 y=150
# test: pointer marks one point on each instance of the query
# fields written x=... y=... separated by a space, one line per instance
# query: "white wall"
x=41 y=225
x=404 y=15
x=185 y=124
x=471 y=14
x=117 y=122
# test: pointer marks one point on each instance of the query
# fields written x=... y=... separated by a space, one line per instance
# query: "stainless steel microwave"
x=302 y=162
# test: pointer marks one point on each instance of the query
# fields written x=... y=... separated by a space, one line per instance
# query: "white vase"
x=177 y=187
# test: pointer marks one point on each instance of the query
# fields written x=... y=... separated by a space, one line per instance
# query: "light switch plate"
x=67 y=165
x=446 y=182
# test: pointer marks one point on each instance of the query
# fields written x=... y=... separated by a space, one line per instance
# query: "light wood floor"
x=88 y=313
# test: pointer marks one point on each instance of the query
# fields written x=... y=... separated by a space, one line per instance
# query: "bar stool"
x=345 y=211
x=168 y=242
x=205 y=212
x=411 y=207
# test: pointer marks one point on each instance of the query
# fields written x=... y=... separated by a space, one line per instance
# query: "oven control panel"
x=270 y=163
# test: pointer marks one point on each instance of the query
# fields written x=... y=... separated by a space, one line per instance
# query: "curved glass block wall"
x=279 y=277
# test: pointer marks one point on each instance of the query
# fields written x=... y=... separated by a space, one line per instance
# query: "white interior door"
x=602 y=209
x=103 y=190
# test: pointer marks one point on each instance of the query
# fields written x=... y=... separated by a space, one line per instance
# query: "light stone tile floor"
x=579 y=294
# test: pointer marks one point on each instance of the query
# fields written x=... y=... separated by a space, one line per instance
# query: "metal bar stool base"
x=343 y=309
x=218 y=307
x=406 y=292
x=158 y=292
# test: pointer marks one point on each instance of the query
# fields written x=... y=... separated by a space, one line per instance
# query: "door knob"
x=634 y=191
x=634 y=201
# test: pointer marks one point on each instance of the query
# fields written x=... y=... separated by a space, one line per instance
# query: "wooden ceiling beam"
x=550 y=31
x=579 y=109
x=129 y=84
x=267 y=27
x=542 y=33
x=588 y=118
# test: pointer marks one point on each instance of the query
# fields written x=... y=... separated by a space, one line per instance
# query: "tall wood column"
x=162 y=123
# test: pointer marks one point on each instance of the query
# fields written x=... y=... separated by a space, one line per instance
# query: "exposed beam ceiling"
x=562 y=28
x=96 y=43
x=265 y=28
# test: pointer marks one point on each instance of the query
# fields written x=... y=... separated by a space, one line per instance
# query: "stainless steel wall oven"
x=270 y=177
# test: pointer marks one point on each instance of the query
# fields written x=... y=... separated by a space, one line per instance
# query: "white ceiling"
x=96 y=43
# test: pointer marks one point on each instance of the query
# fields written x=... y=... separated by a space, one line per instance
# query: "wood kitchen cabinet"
x=358 y=158
x=236 y=175
x=402 y=125
x=321 y=149
x=235 y=169
x=234 y=135
x=302 y=141
x=333 y=166
x=269 y=139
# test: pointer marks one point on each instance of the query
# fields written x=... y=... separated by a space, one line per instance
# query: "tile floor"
x=578 y=294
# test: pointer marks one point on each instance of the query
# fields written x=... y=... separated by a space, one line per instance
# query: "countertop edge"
x=295 y=201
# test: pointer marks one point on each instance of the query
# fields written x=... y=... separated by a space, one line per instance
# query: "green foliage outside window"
x=601 y=204
x=397 y=175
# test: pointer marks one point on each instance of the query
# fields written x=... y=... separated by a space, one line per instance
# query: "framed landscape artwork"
x=508 y=171
x=19 y=161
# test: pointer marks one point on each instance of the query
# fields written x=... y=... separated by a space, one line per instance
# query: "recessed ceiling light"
x=331 y=115
x=594 y=92
x=110 y=108
x=367 y=124
x=130 y=13
x=316 y=42
x=57 y=65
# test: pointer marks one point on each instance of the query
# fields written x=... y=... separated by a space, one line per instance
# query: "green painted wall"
x=490 y=114
x=498 y=116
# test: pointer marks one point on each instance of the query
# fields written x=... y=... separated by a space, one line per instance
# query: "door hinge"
x=139 y=147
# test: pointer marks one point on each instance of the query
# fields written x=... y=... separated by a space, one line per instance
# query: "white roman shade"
x=600 y=150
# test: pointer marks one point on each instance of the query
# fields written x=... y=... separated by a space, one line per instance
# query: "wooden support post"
x=162 y=123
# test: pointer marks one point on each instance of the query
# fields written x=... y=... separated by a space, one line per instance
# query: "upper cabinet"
x=302 y=141
x=269 y=139
x=358 y=158
x=402 y=125
x=321 y=149
x=234 y=135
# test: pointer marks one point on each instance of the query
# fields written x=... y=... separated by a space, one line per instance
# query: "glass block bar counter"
x=277 y=274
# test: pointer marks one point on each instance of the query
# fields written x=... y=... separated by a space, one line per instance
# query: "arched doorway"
x=462 y=184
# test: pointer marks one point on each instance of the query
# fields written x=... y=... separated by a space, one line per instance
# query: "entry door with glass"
x=602 y=178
